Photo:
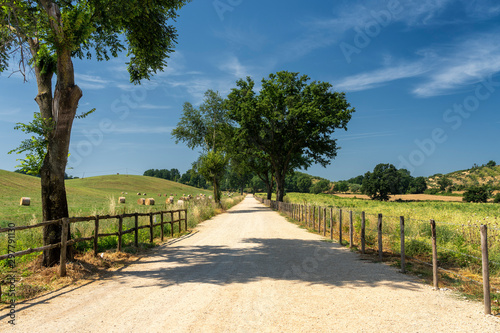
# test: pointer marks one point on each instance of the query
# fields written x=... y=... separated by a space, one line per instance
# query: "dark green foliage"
x=477 y=194
x=356 y=180
x=383 y=181
x=418 y=185
x=444 y=182
x=496 y=199
x=342 y=186
x=321 y=186
x=172 y=174
x=491 y=164
x=291 y=121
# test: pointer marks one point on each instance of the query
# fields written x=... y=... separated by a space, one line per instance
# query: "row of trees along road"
x=45 y=36
x=287 y=125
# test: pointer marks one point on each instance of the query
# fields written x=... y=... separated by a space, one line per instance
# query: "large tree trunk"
x=216 y=190
x=61 y=108
x=280 y=185
x=54 y=202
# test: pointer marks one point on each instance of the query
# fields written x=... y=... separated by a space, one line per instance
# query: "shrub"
x=496 y=199
x=477 y=194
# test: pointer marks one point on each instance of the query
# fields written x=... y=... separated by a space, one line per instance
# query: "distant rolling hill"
x=482 y=175
x=85 y=196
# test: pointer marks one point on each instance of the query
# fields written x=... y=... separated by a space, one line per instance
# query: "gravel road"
x=249 y=270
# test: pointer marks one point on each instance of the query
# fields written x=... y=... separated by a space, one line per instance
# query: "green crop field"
x=440 y=211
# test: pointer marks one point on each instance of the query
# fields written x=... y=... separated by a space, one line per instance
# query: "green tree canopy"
x=291 y=121
x=207 y=127
x=383 y=181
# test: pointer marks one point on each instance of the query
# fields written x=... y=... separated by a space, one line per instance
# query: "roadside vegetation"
x=91 y=196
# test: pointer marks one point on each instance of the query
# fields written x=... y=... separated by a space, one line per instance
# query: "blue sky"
x=424 y=77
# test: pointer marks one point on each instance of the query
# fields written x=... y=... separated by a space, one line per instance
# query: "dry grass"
x=407 y=197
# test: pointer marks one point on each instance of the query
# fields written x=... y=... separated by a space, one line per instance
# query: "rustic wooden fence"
x=175 y=216
x=329 y=220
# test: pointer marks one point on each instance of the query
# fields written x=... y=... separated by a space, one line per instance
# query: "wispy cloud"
x=442 y=70
x=91 y=82
x=467 y=63
x=380 y=77
x=233 y=66
x=368 y=135
x=143 y=130
x=153 y=107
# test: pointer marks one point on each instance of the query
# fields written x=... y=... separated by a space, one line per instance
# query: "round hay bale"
x=170 y=200
x=25 y=201
x=144 y=194
x=150 y=202
x=121 y=200
x=141 y=201
x=138 y=193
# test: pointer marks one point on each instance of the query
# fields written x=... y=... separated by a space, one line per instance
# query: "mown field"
x=96 y=196
x=88 y=196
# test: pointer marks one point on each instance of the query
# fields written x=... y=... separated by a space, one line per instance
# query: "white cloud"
x=234 y=67
x=143 y=130
x=443 y=70
x=467 y=63
x=153 y=107
x=91 y=82
x=362 y=136
x=380 y=77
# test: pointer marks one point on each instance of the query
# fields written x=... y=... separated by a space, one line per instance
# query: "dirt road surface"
x=249 y=270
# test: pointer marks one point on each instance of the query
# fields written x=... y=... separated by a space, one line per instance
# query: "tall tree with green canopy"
x=46 y=35
x=291 y=121
x=207 y=128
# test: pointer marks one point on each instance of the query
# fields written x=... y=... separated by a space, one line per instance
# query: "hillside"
x=85 y=196
x=482 y=175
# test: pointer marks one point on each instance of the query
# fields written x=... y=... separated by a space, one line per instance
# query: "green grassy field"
x=96 y=196
x=89 y=196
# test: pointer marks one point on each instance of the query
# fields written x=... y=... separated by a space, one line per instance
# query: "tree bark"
x=62 y=109
x=280 y=185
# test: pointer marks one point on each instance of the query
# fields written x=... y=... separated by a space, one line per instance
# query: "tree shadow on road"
x=254 y=259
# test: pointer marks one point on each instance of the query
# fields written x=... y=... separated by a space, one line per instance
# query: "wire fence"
x=468 y=251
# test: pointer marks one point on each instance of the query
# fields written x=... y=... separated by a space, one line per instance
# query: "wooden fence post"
x=331 y=223
x=185 y=219
x=172 y=223
x=340 y=226
x=314 y=218
x=136 y=234
x=151 y=227
x=120 y=227
x=64 y=239
x=161 y=225
x=379 y=229
x=363 y=231
x=96 y=235
x=434 y=256
x=486 y=271
x=402 y=231
x=351 y=230
x=324 y=221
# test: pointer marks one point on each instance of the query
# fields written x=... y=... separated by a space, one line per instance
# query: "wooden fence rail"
x=66 y=222
x=310 y=219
